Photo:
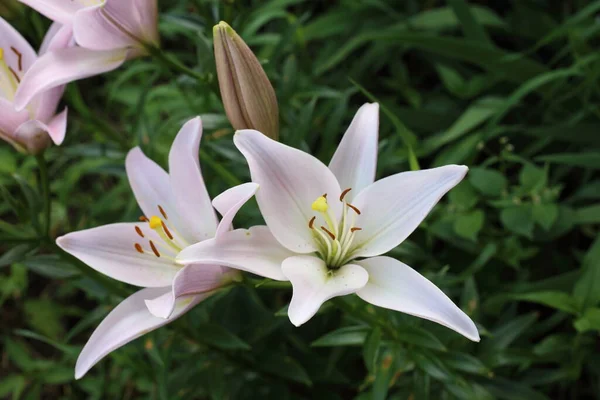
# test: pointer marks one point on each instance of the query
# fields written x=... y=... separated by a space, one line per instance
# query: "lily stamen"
x=139 y=231
x=331 y=235
x=344 y=193
x=156 y=253
x=356 y=210
x=162 y=212
x=139 y=248
x=311 y=222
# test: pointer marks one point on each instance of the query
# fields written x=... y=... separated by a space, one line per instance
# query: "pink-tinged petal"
x=57 y=10
x=229 y=203
x=190 y=280
x=393 y=207
x=93 y=29
x=198 y=218
x=59 y=36
x=138 y=17
x=18 y=54
x=57 y=128
x=10 y=120
x=290 y=181
x=126 y=322
x=151 y=187
x=111 y=250
x=253 y=250
x=397 y=286
x=60 y=67
x=355 y=160
x=314 y=284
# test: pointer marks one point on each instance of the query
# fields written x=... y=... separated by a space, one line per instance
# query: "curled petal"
x=393 y=207
x=314 y=284
x=397 y=286
x=126 y=322
x=93 y=29
x=355 y=159
x=229 y=203
x=290 y=181
x=57 y=10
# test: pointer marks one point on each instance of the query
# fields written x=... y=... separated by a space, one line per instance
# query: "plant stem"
x=45 y=184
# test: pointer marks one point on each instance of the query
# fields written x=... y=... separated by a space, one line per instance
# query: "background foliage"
x=509 y=88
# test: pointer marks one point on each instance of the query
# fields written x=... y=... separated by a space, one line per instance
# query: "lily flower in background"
x=335 y=223
x=35 y=127
x=248 y=97
x=108 y=32
x=177 y=213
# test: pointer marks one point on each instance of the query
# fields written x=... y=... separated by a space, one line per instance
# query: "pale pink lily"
x=32 y=129
x=178 y=212
x=329 y=226
x=108 y=32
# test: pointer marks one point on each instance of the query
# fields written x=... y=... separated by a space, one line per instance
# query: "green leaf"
x=559 y=300
x=489 y=182
x=463 y=196
x=590 y=321
x=545 y=215
x=44 y=317
x=283 y=366
x=347 y=336
x=532 y=178
x=585 y=160
x=371 y=348
x=587 y=288
x=469 y=225
x=220 y=337
x=518 y=219
x=588 y=215
x=470 y=26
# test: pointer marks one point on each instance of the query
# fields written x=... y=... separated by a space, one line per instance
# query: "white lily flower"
x=177 y=213
x=329 y=226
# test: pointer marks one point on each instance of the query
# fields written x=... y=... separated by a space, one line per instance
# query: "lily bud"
x=248 y=97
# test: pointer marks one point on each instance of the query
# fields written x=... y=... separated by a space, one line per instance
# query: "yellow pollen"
x=155 y=222
x=320 y=204
x=1 y=53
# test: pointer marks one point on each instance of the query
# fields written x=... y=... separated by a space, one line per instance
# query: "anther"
x=354 y=208
x=18 y=53
x=344 y=193
x=143 y=219
x=311 y=222
x=139 y=231
x=166 y=230
x=156 y=253
x=355 y=229
x=139 y=249
x=331 y=235
x=164 y=214
x=15 y=74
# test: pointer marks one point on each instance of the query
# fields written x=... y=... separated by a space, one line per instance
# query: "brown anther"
x=18 y=53
x=156 y=253
x=167 y=231
x=355 y=229
x=15 y=74
x=354 y=208
x=143 y=219
x=344 y=193
x=139 y=231
x=331 y=235
x=311 y=222
x=139 y=249
x=164 y=214
x=325 y=195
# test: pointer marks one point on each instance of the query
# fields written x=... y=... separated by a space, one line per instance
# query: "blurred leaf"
x=488 y=182
x=371 y=348
x=585 y=160
x=587 y=288
x=518 y=219
x=545 y=215
x=589 y=321
x=469 y=225
x=218 y=336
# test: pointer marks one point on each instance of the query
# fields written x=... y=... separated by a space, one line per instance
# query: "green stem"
x=173 y=63
x=102 y=280
x=45 y=184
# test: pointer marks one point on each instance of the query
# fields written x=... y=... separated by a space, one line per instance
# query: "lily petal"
x=254 y=250
x=94 y=30
x=126 y=322
x=18 y=53
x=355 y=160
x=60 y=67
x=397 y=286
x=110 y=249
x=190 y=280
x=314 y=284
x=290 y=181
x=393 y=207
x=198 y=219
x=57 y=128
x=229 y=203
x=56 y=10
x=33 y=134
x=10 y=120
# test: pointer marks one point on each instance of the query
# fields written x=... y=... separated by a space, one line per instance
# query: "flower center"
x=9 y=78
x=336 y=238
x=171 y=241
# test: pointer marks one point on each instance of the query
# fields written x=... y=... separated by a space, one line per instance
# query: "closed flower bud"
x=248 y=97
